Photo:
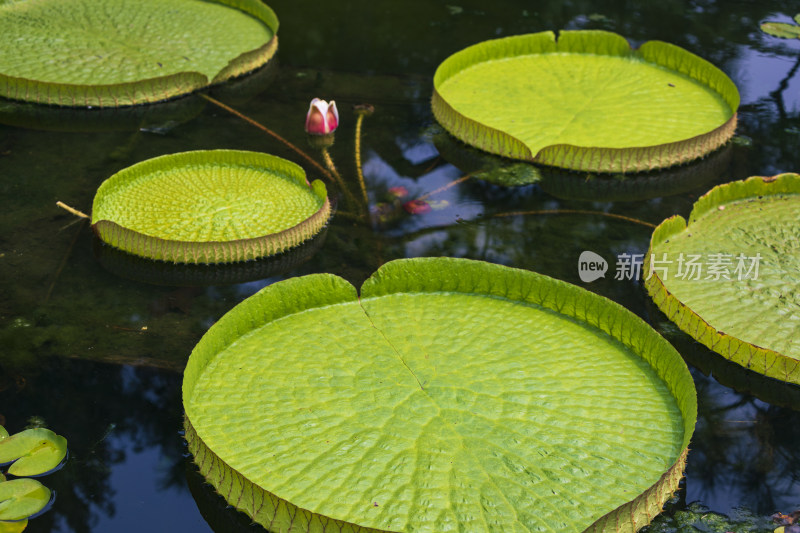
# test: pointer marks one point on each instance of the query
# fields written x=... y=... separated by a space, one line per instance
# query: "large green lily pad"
x=730 y=276
x=450 y=395
x=117 y=53
x=585 y=101
x=215 y=206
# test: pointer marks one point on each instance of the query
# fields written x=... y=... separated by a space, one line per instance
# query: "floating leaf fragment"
x=21 y=498
x=783 y=30
x=13 y=527
x=34 y=451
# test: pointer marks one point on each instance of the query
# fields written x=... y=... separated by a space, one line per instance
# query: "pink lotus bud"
x=417 y=207
x=322 y=117
x=398 y=192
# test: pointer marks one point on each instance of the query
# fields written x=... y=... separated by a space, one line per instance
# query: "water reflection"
x=107 y=413
x=743 y=450
x=60 y=310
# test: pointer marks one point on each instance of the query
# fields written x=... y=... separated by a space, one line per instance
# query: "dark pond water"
x=98 y=353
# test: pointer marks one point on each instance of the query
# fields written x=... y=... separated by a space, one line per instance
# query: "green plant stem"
x=443 y=188
x=269 y=132
x=72 y=210
x=359 y=172
x=351 y=216
x=576 y=212
x=326 y=156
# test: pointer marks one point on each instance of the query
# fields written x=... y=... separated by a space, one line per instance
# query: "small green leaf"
x=35 y=451
x=21 y=498
x=797 y=18
x=3 y=433
x=782 y=29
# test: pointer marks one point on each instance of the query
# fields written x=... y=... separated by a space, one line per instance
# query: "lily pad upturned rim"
x=751 y=356
x=175 y=251
x=147 y=91
x=136 y=268
x=581 y=186
x=586 y=158
x=468 y=277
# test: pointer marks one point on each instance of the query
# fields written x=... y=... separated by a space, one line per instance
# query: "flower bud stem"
x=326 y=156
x=359 y=172
x=269 y=132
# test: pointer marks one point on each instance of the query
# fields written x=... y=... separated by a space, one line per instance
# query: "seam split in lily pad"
x=111 y=53
x=449 y=395
x=730 y=276
x=215 y=206
x=585 y=101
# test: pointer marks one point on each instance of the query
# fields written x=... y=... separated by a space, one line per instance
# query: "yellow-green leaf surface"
x=730 y=276
x=783 y=30
x=451 y=395
x=114 y=52
x=586 y=101
x=209 y=206
x=34 y=451
x=13 y=527
x=21 y=498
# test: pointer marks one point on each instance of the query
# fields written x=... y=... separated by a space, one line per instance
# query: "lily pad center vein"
x=455 y=431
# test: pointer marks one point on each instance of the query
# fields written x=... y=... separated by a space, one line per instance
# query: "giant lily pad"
x=730 y=276
x=450 y=395
x=216 y=206
x=586 y=101
x=116 y=53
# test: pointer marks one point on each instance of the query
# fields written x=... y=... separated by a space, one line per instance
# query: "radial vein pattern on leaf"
x=585 y=100
x=211 y=202
x=99 y=42
x=763 y=311
x=411 y=413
